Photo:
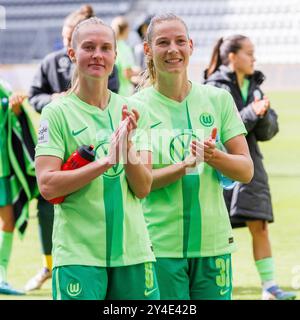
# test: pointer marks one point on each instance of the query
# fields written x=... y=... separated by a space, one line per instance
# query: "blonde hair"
x=74 y=42
x=94 y=21
x=148 y=77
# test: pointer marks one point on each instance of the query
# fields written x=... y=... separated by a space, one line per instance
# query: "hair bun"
x=87 y=11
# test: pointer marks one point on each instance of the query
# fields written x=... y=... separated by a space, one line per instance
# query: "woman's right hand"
x=118 y=142
x=201 y=151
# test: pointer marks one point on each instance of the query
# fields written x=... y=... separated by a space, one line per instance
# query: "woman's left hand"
x=210 y=146
x=203 y=151
x=209 y=150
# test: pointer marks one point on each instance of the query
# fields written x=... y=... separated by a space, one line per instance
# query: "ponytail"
x=221 y=52
x=147 y=76
x=74 y=80
x=215 y=60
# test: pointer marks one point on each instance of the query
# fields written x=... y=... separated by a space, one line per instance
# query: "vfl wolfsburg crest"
x=74 y=288
x=102 y=150
x=206 y=119
x=180 y=146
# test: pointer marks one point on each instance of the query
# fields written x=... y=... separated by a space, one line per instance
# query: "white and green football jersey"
x=101 y=224
x=188 y=218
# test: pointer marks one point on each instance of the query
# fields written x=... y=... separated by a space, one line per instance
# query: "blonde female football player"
x=185 y=211
x=53 y=77
x=101 y=247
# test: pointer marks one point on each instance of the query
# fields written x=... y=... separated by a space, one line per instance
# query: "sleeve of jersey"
x=142 y=138
x=232 y=124
x=50 y=138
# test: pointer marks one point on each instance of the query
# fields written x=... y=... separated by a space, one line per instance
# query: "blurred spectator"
x=127 y=69
x=141 y=29
x=232 y=68
x=17 y=173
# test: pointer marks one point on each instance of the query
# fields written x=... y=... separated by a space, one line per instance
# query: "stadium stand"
x=273 y=25
x=33 y=27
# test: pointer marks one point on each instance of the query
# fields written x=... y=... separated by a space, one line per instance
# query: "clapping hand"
x=261 y=106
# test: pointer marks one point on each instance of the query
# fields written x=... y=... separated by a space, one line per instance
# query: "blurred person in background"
x=141 y=29
x=127 y=70
x=232 y=67
x=15 y=141
x=52 y=78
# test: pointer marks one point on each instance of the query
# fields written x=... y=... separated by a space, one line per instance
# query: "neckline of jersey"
x=91 y=108
x=174 y=103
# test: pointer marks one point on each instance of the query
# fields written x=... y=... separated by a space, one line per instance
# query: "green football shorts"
x=5 y=192
x=76 y=282
x=206 y=278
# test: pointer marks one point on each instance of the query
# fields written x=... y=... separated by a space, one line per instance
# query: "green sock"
x=265 y=268
x=6 y=240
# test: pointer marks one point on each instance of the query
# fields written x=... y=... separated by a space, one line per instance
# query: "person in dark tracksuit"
x=232 y=68
x=53 y=77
